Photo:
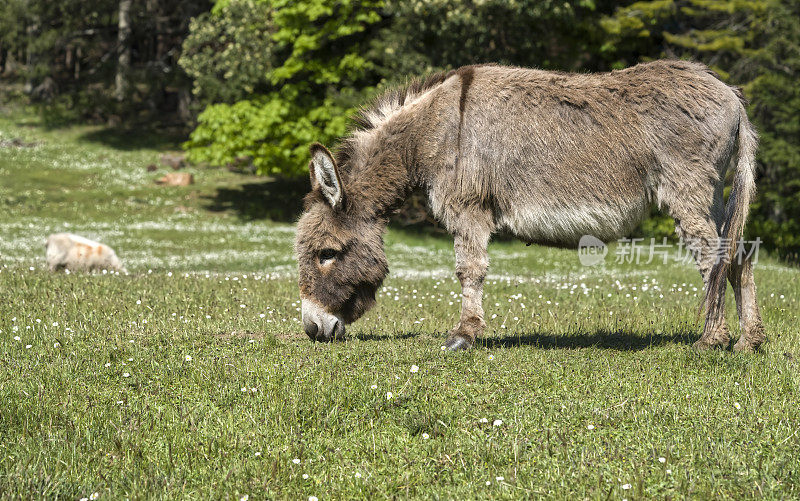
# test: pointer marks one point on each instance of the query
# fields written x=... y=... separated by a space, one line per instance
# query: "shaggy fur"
x=546 y=156
x=75 y=253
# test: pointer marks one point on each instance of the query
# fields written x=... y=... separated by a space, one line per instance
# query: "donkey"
x=546 y=156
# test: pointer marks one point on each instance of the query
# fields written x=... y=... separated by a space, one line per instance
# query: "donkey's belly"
x=564 y=226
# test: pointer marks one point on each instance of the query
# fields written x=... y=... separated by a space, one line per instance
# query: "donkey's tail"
x=736 y=210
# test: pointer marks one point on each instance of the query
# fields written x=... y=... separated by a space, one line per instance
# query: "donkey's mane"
x=373 y=115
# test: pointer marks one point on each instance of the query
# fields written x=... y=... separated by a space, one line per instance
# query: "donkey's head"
x=339 y=249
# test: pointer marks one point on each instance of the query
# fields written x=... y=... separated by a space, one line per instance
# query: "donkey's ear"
x=325 y=174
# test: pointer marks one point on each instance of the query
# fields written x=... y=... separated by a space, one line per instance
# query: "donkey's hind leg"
x=744 y=288
x=700 y=231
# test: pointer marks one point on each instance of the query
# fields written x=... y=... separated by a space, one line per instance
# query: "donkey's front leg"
x=472 y=261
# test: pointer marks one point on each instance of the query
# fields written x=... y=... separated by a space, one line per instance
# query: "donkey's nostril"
x=311 y=330
x=338 y=330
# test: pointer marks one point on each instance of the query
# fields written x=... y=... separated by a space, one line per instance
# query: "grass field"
x=191 y=378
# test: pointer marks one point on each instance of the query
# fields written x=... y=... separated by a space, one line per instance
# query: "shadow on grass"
x=277 y=199
x=371 y=336
x=615 y=340
x=131 y=139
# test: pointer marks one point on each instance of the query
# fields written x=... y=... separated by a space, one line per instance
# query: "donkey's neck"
x=385 y=177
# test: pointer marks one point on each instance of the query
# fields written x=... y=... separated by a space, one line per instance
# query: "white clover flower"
x=483 y=420
x=625 y=487
x=499 y=479
x=305 y=476
x=357 y=475
x=188 y=358
x=108 y=364
x=125 y=374
x=258 y=453
x=17 y=338
x=425 y=436
x=737 y=405
x=488 y=483
x=662 y=460
x=28 y=346
x=374 y=387
x=56 y=344
x=497 y=422
x=312 y=498
x=414 y=369
x=94 y=495
x=491 y=357
x=389 y=395
x=244 y=498
x=590 y=427
x=669 y=472
x=296 y=460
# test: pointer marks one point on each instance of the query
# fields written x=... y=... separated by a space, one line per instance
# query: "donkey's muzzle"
x=319 y=324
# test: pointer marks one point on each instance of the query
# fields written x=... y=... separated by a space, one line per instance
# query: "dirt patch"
x=291 y=335
x=176 y=179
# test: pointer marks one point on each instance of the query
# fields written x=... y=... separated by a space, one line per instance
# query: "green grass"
x=591 y=373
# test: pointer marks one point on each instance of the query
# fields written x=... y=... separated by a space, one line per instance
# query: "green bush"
x=314 y=50
x=272 y=130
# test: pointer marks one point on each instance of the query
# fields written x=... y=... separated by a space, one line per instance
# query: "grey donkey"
x=547 y=156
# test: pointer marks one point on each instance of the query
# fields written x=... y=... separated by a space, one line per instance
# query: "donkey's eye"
x=327 y=255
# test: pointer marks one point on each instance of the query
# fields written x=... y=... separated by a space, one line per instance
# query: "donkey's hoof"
x=706 y=344
x=457 y=343
x=746 y=346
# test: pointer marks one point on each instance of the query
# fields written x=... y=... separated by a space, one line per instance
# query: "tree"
x=86 y=56
x=437 y=34
x=751 y=43
x=316 y=76
x=775 y=108
x=228 y=52
x=124 y=49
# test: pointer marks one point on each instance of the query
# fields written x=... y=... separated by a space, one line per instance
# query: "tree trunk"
x=124 y=48
x=78 y=53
